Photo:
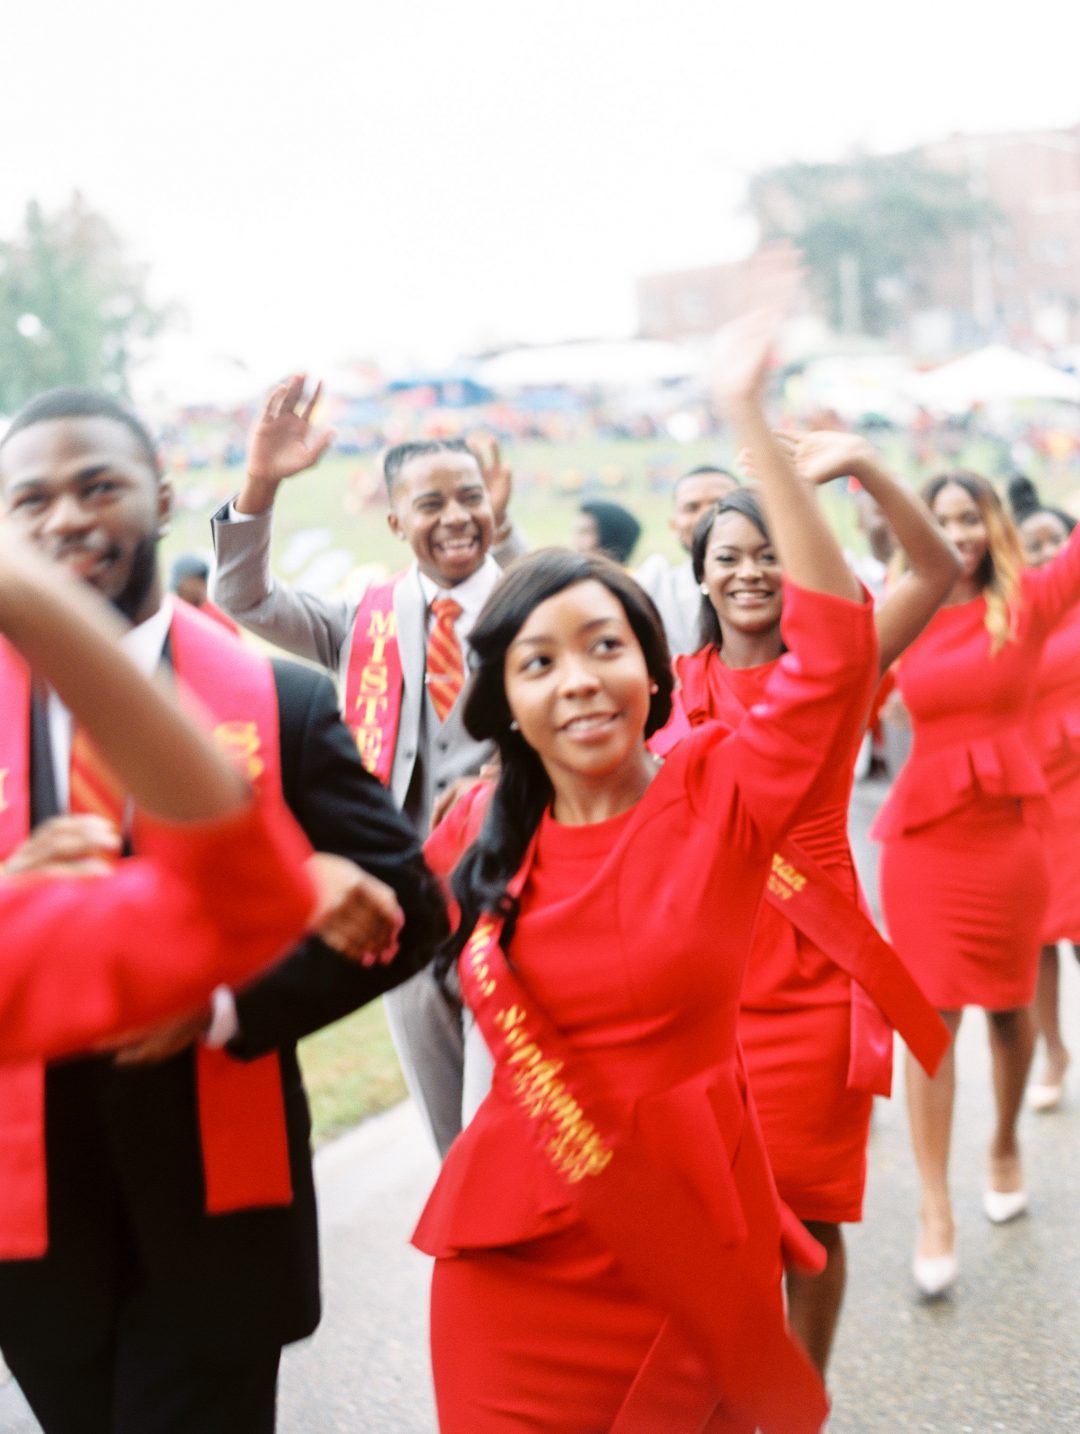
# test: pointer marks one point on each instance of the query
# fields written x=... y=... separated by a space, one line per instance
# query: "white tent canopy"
x=992 y=375
x=604 y=364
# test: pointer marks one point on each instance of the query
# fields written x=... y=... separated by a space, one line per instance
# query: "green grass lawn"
x=350 y=1071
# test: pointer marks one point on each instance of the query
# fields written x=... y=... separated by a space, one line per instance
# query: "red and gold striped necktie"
x=445 y=660
x=92 y=788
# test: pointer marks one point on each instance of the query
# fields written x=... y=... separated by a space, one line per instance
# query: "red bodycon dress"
x=795 y=1020
x=1055 y=729
x=223 y=899
x=633 y=936
x=964 y=881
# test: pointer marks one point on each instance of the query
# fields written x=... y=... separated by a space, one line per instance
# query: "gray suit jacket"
x=428 y=756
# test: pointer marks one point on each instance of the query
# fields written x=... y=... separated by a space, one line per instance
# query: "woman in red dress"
x=223 y=879
x=1055 y=727
x=810 y=1055
x=963 y=872
x=606 y=1230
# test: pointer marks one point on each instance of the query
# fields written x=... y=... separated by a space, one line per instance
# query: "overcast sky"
x=412 y=177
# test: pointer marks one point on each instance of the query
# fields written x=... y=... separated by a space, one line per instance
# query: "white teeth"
x=596 y=720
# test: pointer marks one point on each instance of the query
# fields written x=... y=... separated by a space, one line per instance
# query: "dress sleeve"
x=1051 y=590
x=84 y=959
x=759 y=778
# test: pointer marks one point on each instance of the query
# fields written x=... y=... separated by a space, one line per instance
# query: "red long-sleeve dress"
x=964 y=880
x=633 y=935
x=1055 y=730
x=795 y=1021
x=221 y=899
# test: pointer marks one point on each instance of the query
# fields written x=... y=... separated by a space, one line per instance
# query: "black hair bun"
x=1023 y=497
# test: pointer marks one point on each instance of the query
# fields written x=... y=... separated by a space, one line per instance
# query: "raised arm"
x=71 y=639
x=810 y=554
x=283 y=442
x=934 y=562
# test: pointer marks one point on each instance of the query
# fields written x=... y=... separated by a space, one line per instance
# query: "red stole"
x=240 y=1105
x=625 y=1185
x=884 y=995
x=374 y=680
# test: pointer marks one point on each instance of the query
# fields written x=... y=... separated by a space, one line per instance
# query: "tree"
x=73 y=305
x=870 y=228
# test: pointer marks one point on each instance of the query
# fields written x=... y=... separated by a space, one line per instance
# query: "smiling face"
x=693 y=495
x=743 y=576
x=961 y=519
x=441 y=508
x=578 y=686
x=1042 y=535
x=84 y=491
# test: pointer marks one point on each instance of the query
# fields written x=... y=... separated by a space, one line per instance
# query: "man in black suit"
x=147 y=1315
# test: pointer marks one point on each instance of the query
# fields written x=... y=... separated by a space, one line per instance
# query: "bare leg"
x=814 y=1300
x=1046 y=1018
x=1012 y=1043
x=930 y=1109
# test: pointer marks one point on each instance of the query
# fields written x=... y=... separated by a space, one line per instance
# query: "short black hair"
x=704 y=468
x=395 y=459
x=76 y=402
x=617 y=529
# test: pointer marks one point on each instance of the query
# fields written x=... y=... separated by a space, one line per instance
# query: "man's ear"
x=393 y=522
x=165 y=500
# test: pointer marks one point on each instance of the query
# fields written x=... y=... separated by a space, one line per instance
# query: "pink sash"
x=625 y=1185
x=241 y=1106
x=374 y=681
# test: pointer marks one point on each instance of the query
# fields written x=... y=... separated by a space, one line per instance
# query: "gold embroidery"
x=240 y=742
x=784 y=879
x=371 y=699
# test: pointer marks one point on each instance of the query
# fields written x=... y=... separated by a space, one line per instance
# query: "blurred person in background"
x=189 y=579
x=673 y=588
x=1055 y=729
x=602 y=526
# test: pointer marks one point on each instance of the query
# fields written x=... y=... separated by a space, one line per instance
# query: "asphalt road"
x=998 y=1355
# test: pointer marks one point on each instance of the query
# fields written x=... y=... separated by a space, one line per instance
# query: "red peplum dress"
x=1055 y=729
x=796 y=1020
x=964 y=881
x=633 y=936
x=222 y=898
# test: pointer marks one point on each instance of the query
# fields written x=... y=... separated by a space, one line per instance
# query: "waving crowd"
x=635 y=988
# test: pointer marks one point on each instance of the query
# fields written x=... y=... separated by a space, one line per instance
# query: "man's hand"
x=497 y=475
x=358 y=915
x=282 y=443
x=165 y=1040
x=83 y=845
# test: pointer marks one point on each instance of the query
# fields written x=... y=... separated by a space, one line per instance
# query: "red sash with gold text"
x=632 y=1197
x=885 y=994
x=245 y=1159
x=374 y=680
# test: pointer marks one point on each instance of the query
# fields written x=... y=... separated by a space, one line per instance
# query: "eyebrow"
x=94 y=470
x=546 y=637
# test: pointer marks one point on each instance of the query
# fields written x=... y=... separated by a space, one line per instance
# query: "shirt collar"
x=145 y=643
x=472 y=594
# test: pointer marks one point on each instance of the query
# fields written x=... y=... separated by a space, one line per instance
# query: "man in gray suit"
x=673 y=589
x=450 y=517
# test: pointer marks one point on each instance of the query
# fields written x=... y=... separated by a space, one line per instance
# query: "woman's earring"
x=703 y=590
x=514 y=726
x=654 y=688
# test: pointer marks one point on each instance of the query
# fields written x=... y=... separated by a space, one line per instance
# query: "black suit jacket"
x=123 y=1154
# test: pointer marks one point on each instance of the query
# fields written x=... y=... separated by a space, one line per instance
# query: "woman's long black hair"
x=523 y=790
x=742 y=501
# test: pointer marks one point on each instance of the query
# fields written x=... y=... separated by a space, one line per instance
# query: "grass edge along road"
x=350 y=1071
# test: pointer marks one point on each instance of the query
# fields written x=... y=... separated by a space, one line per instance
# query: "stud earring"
x=514 y=727
x=653 y=688
x=703 y=590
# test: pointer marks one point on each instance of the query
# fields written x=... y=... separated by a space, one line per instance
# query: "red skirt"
x=964 y=899
x=1062 y=920
x=815 y=1128
x=547 y=1337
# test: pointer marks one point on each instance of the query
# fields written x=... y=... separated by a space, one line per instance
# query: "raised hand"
x=282 y=443
x=824 y=455
x=739 y=372
x=498 y=476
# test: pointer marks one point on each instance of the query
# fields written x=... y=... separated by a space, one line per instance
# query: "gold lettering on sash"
x=240 y=743
x=371 y=696
x=3 y=782
x=785 y=881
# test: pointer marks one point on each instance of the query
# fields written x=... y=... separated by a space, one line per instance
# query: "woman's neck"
x=581 y=801
x=750 y=649
x=963 y=590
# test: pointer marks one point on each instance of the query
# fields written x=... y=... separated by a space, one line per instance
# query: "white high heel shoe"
x=1001 y=1206
x=935 y=1275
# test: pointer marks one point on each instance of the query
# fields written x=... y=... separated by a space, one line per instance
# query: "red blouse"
x=83 y=958
x=633 y=935
x=970 y=707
